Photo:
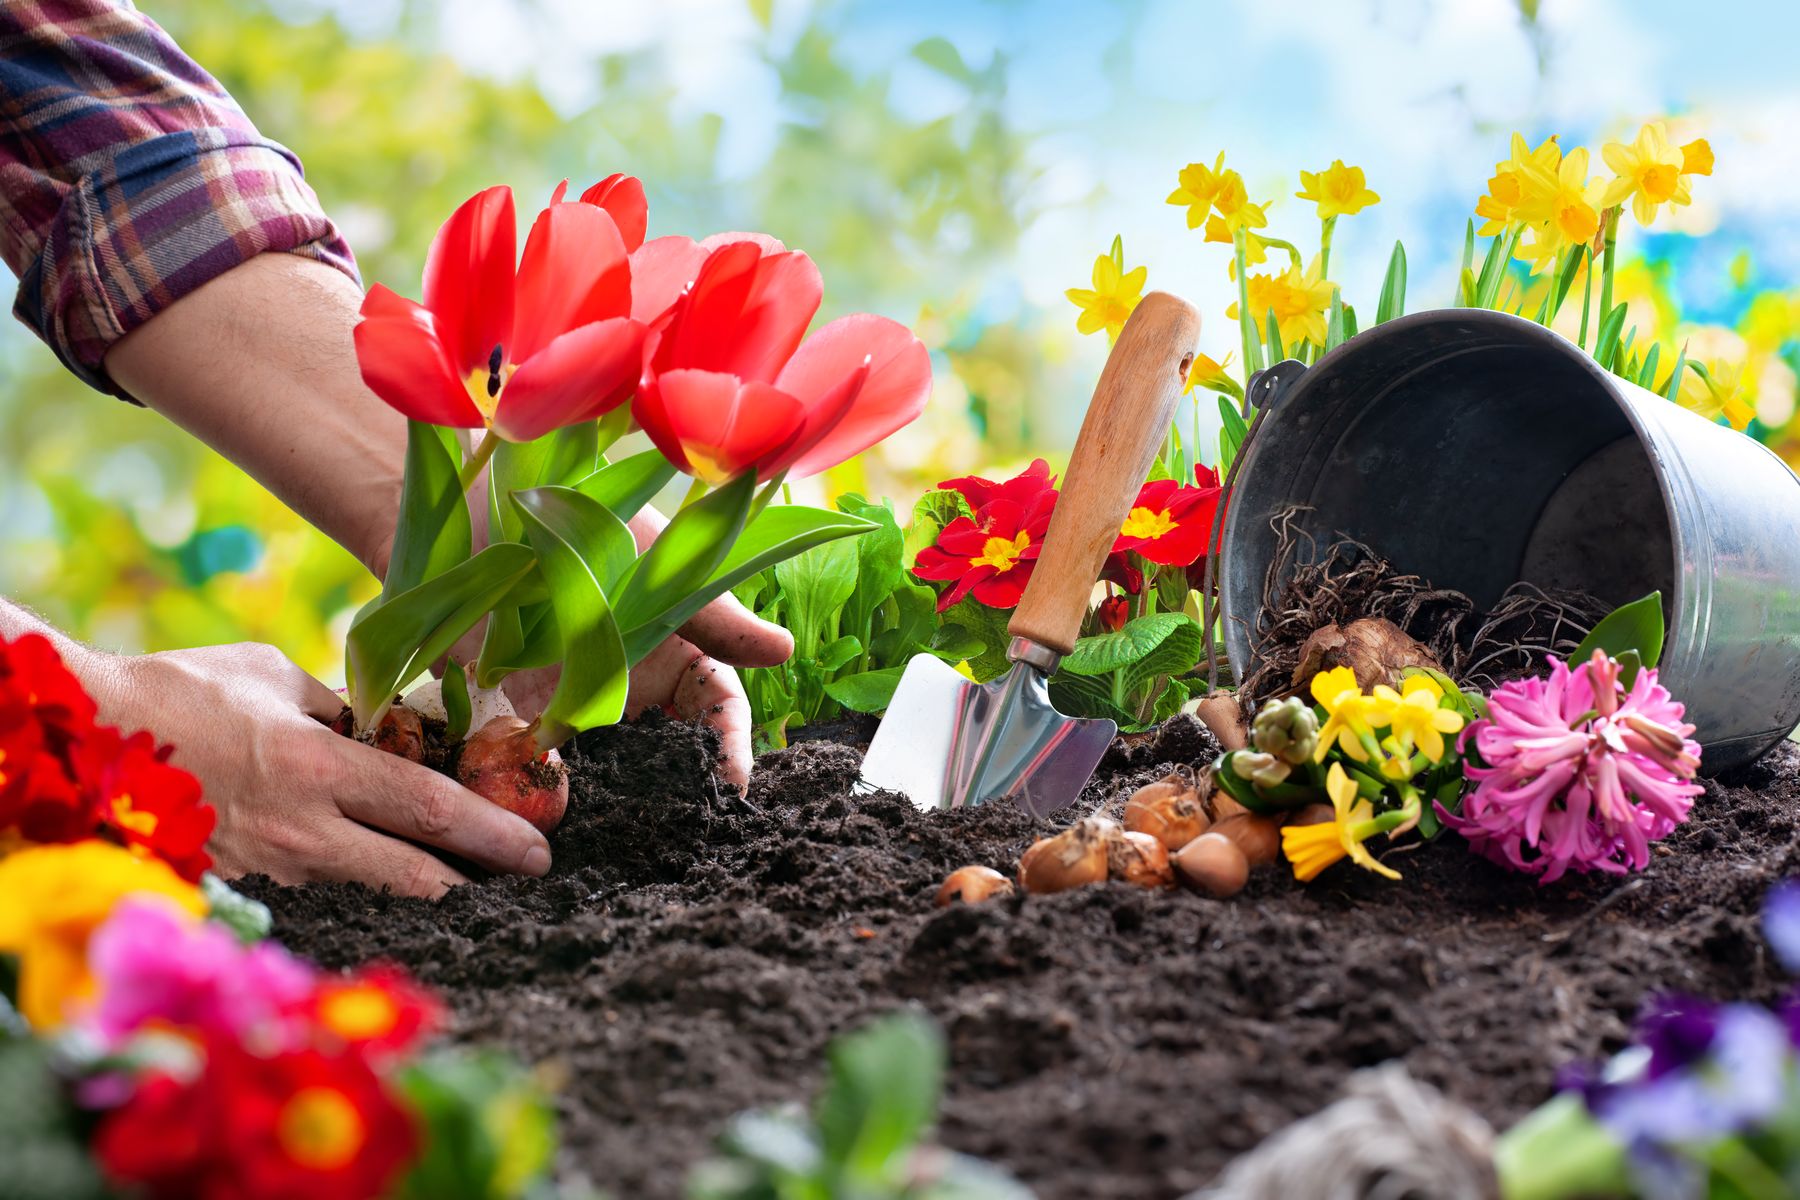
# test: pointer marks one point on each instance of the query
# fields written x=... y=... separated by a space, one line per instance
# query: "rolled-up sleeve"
x=129 y=178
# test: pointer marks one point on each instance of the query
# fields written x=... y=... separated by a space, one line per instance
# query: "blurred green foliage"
x=123 y=530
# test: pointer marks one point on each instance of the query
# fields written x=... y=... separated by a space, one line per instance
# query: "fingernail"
x=537 y=861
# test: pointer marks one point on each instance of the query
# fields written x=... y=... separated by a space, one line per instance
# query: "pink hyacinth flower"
x=157 y=968
x=1580 y=773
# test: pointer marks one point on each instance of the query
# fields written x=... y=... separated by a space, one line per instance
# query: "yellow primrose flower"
x=52 y=898
x=1719 y=392
x=1563 y=212
x=1512 y=180
x=1233 y=210
x=1206 y=373
x=1298 y=300
x=1337 y=190
x=1196 y=185
x=1114 y=295
x=1312 y=848
x=1416 y=720
x=1649 y=172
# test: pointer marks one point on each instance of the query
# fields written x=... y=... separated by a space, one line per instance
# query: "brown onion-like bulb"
x=1168 y=810
x=972 y=885
x=1139 y=858
x=400 y=733
x=501 y=762
x=1213 y=864
x=1257 y=836
x=1073 y=858
x=1313 y=814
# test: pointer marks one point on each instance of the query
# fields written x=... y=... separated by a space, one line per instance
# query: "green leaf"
x=880 y=562
x=867 y=691
x=393 y=640
x=1466 y=289
x=988 y=625
x=1349 y=321
x=814 y=587
x=1673 y=389
x=455 y=689
x=1109 y=652
x=578 y=543
x=1232 y=431
x=933 y=511
x=836 y=654
x=1276 y=352
x=1176 y=654
x=1334 y=322
x=909 y=625
x=880 y=1097
x=561 y=457
x=1646 y=376
x=1174 y=694
x=684 y=555
x=1637 y=626
x=487 y=1132
x=433 y=531
x=626 y=486
x=1088 y=696
x=1493 y=268
x=1393 y=287
x=1468 y=253
x=778 y=533
x=1606 y=339
x=1565 y=281
x=518 y=638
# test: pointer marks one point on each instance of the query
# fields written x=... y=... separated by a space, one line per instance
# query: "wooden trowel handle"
x=1126 y=422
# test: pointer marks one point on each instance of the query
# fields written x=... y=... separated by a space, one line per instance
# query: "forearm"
x=259 y=364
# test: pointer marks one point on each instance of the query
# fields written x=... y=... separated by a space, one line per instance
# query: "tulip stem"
x=484 y=450
x=767 y=495
x=696 y=489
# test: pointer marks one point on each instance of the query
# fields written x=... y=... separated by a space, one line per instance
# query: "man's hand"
x=295 y=800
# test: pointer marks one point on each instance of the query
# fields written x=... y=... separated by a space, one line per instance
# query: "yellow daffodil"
x=1651 y=173
x=1207 y=373
x=1350 y=716
x=1233 y=210
x=1312 y=848
x=1415 y=719
x=1526 y=170
x=1113 y=297
x=1298 y=300
x=52 y=898
x=1337 y=190
x=1562 y=213
x=1717 y=389
x=1196 y=185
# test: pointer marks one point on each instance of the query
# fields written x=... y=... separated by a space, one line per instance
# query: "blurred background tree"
x=951 y=163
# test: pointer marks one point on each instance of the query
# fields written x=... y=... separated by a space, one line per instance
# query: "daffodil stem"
x=1246 y=322
x=484 y=450
x=1606 y=263
x=1326 y=228
x=1587 y=294
x=696 y=489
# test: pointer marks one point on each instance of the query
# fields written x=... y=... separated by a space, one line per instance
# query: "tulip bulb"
x=1168 y=810
x=401 y=734
x=1257 y=836
x=972 y=885
x=1073 y=858
x=502 y=763
x=1212 y=864
x=1139 y=858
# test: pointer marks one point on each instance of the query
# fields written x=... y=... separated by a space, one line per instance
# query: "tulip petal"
x=893 y=394
x=745 y=313
x=623 y=197
x=767 y=244
x=404 y=362
x=469 y=278
x=713 y=425
x=581 y=375
x=574 y=272
x=661 y=270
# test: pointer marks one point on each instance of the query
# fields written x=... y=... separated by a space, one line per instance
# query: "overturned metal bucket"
x=1476 y=449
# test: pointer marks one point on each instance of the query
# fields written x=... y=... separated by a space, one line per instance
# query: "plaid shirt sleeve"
x=129 y=177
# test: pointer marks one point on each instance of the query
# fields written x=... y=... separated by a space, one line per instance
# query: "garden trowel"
x=949 y=742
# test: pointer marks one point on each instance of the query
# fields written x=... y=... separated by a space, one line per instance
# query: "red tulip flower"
x=730 y=387
x=992 y=554
x=517 y=350
x=1171 y=523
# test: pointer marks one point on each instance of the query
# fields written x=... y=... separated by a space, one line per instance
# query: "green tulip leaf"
x=1635 y=627
x=626 y=486
x=578 y=542
x=433 y=531
x=1393 y=287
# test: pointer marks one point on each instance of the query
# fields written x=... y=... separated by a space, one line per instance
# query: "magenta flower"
x=158 y=968
x=1580 y=774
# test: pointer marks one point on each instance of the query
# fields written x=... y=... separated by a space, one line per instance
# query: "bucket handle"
x=1264 y=391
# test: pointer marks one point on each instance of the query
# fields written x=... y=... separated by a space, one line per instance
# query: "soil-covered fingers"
x=731 y=633
x=712 y=691
x=418 y=804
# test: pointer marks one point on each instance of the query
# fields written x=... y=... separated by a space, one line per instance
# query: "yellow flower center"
x=1143 y=523
x=1660 y=180
x=1002 y=554
x=135 y=820
x=485 y=383
x=359 y=1012
x=320 y=1129
x=1577 y=220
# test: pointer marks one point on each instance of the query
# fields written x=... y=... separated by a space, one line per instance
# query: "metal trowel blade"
x=949 y=742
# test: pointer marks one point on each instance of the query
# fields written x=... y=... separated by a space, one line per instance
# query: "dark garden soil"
x=691 y=955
